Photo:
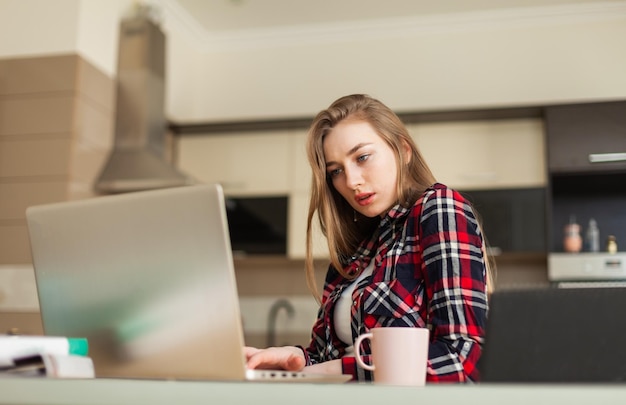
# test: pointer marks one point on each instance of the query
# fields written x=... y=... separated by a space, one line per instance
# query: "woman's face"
x=362 y=167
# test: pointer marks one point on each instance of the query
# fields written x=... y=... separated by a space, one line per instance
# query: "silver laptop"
x=148 y=279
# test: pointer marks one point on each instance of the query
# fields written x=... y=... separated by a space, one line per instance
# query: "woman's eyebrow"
x=357 y=147
x=351 y=151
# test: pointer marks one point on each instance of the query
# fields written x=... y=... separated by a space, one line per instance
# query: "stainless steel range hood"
x=137 y=161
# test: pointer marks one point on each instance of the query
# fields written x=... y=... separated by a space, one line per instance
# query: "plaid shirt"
x=429 y=271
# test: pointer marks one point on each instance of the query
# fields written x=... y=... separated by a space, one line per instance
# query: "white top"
x=343 y=309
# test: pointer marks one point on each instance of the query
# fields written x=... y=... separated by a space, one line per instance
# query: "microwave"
x=257 y=225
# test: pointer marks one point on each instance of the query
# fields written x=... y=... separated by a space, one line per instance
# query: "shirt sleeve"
x=321 y=347
x=350 y=366
x=455 y=275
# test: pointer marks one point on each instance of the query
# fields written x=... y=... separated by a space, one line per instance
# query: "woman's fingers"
x=295 y=363
x=283 y=358
x=250 y=351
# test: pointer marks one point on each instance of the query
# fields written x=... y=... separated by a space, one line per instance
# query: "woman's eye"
x=334 y=172
x=362 y=158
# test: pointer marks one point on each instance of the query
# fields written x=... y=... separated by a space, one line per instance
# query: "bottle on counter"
x=572 y=241
x=611 y=244
x=592 y=237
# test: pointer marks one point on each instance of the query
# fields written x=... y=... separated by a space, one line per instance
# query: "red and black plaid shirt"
x=429 y=271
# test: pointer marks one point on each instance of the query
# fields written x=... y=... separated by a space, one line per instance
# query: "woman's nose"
x=354 y=177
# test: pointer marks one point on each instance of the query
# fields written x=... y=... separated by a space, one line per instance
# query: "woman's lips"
x=364 y=198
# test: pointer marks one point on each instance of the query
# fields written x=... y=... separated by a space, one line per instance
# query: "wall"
x=57 y=64
x=40 y=27
x=488 y=59
x=492 y=59
x=56 y=127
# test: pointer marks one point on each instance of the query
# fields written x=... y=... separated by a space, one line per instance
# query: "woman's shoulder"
x=437 y=192
x=440 y=197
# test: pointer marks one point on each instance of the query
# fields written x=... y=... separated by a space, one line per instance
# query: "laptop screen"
x=146 y=277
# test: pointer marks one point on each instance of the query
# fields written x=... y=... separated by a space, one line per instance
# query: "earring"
x=355 y=218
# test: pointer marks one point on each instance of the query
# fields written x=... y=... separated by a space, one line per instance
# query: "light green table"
x=110 y=391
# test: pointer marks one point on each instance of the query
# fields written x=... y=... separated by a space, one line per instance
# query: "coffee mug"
x=399 y=355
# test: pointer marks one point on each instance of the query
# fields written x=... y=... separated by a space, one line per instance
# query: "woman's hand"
x=327 y=367
x=280 y=358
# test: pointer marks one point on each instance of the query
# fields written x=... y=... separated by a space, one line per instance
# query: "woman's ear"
x=407 y=151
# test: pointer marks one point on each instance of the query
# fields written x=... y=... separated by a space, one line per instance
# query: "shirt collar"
x=368 y=248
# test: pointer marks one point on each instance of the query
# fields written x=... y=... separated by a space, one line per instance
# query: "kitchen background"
x=504 y=89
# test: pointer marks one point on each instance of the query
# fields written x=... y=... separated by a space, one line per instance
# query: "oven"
x=572 y=270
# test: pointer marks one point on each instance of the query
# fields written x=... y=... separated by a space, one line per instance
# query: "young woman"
x=404 y=249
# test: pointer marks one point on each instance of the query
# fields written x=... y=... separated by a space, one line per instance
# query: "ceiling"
x=228 y=16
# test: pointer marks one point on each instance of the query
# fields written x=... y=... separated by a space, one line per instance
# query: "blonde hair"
x=336 y=216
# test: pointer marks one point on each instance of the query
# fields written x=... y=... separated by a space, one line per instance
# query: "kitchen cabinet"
x=584 y=138
x=484 y=154
x=499 y=165
x=526 y=172
x=587 y=169
x=245 y=163
x=297 y=217
x=301 y=170
x=513 y=220
x=299 y=203
x=258 y=164
x=601 y=196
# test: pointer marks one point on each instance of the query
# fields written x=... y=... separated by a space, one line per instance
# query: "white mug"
x=399 y=355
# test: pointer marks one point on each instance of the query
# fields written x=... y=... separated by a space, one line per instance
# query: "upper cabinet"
x=587 y=169
x=296 y=245
x=484 y=154
x=585 y=138
x=244 y=163
x=300 y=170
x=519 y=175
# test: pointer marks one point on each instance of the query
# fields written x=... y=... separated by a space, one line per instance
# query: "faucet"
x=271 y=318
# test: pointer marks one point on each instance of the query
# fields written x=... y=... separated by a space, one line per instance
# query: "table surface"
x=45 y=391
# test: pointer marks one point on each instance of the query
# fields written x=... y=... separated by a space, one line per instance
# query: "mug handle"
x=357 y=351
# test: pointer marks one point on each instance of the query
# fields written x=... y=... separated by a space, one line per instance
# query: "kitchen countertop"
x=118 y=391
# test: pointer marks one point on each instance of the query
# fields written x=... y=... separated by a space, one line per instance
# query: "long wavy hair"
x=336 y=216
